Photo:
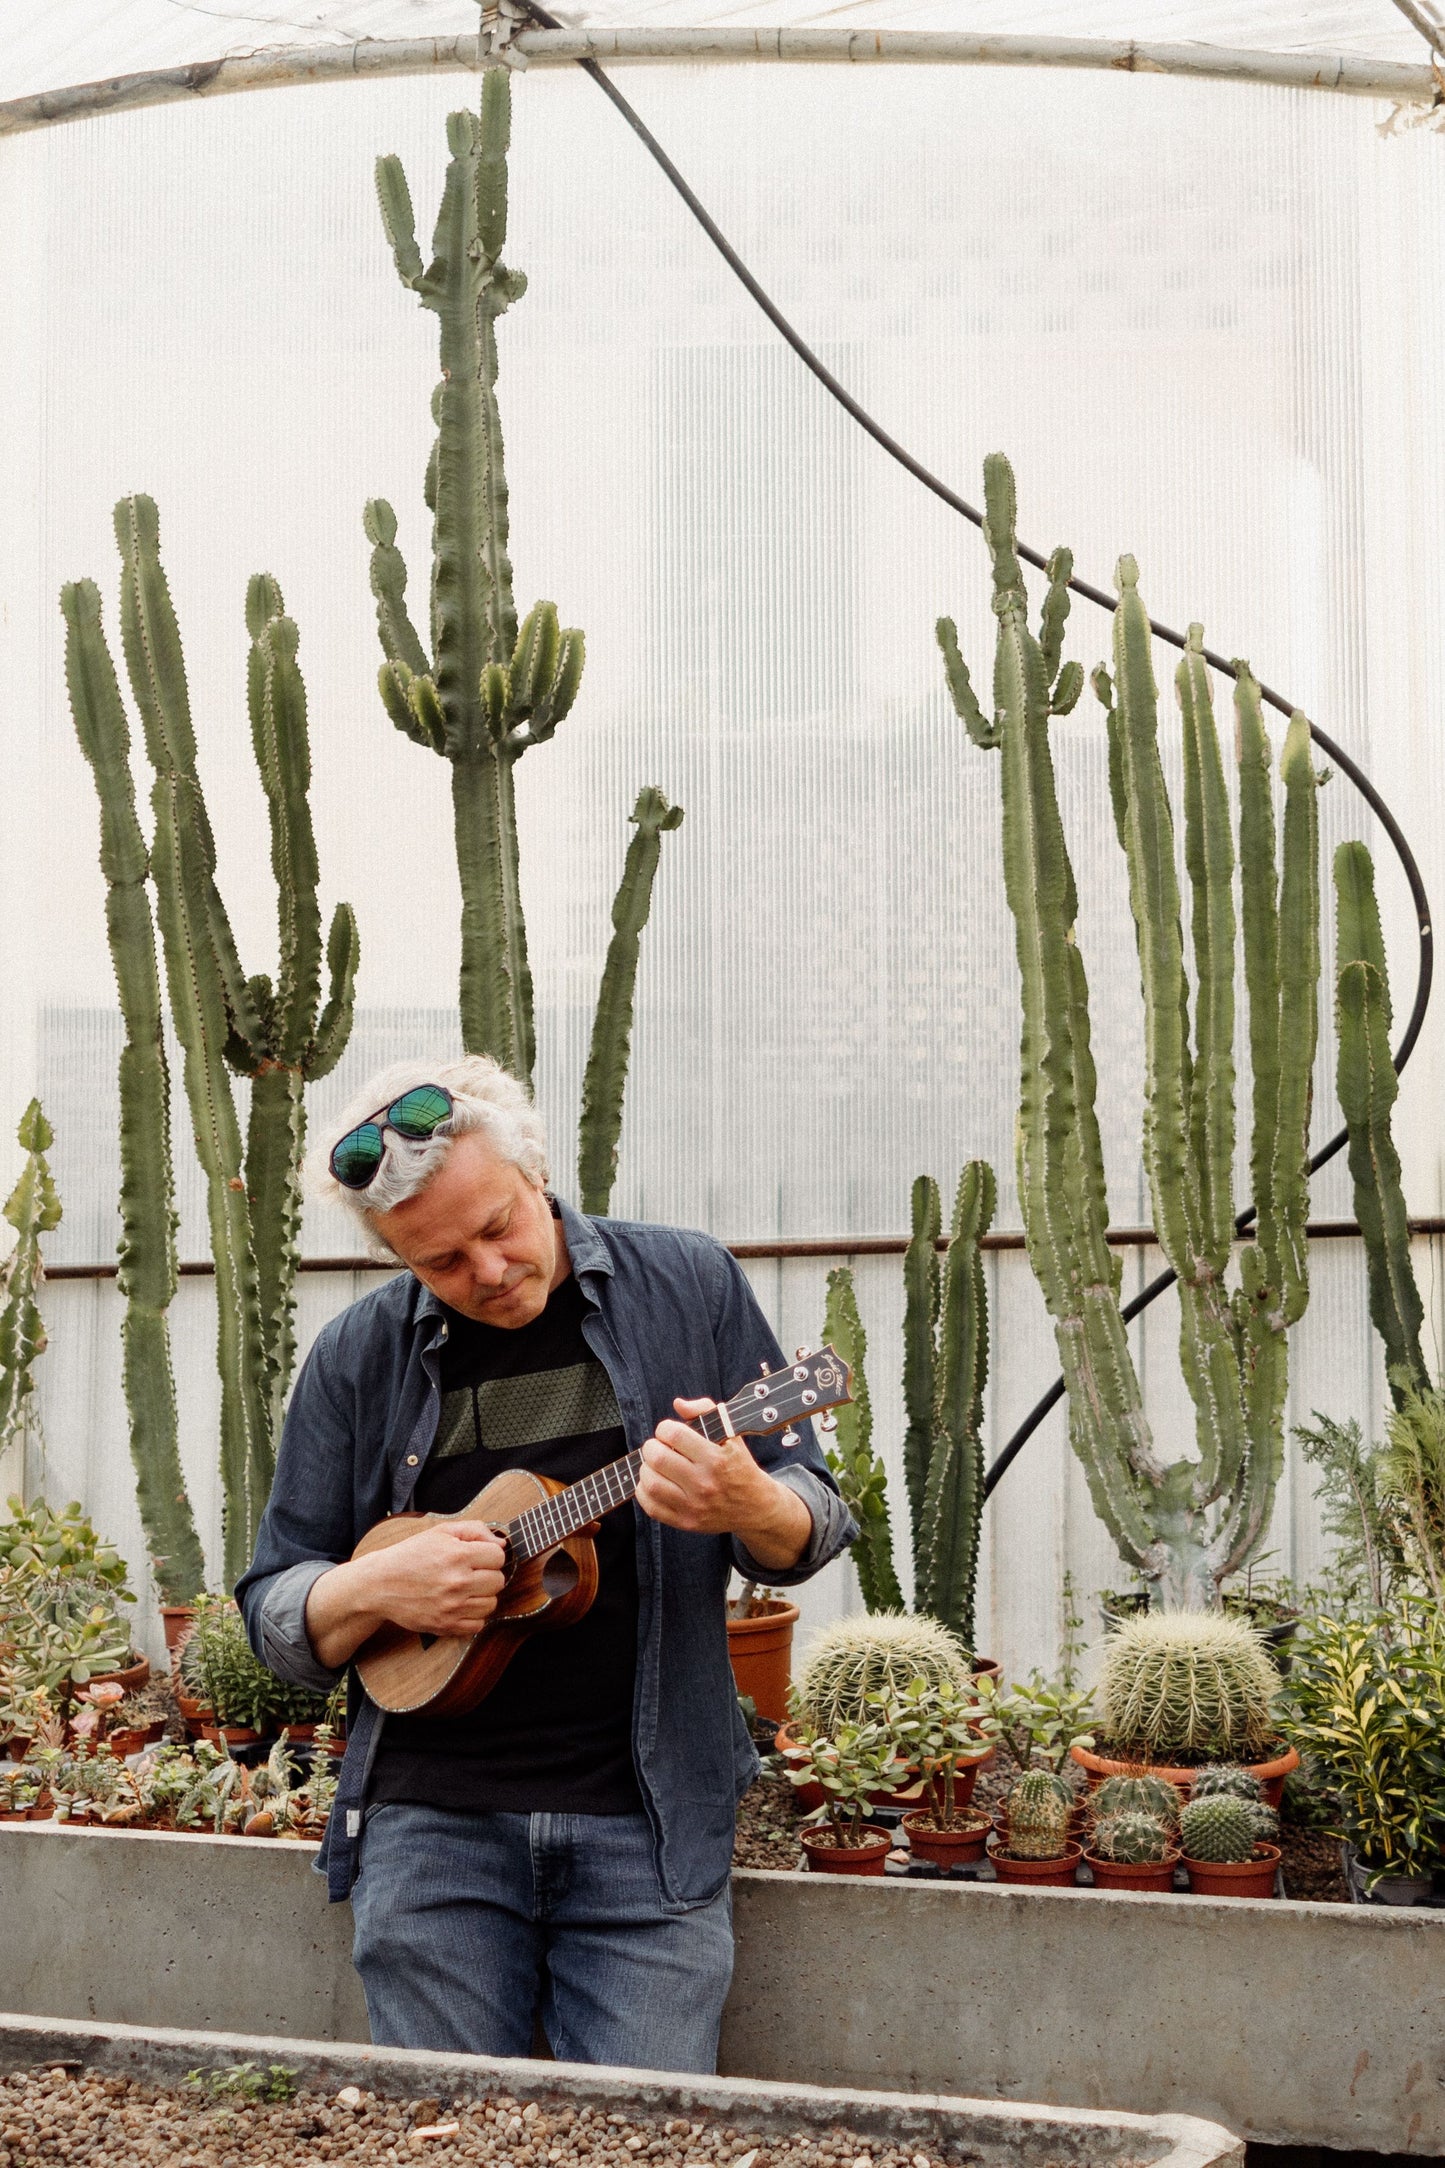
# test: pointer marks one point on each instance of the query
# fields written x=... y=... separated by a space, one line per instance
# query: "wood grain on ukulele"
x=551 y=1572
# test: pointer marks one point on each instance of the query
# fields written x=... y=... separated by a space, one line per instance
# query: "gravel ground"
x=58 y=2116
x=1312 y=1866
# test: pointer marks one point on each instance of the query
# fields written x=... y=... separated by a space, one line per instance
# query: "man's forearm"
x=783 y=1530
x=342 y=1612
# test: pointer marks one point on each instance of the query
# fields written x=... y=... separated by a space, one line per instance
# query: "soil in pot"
x=760 y=1648
x=826 y=1857
x=1235 y=1878
x=1271 y=1774
x=948 y=1847
x=1040 y=1873
x=1136 y=1874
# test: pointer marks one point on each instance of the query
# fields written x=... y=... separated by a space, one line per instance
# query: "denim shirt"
x=669 y=1314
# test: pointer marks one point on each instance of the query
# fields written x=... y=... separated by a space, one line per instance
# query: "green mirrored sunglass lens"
x=357 y=1156
x=417 y=1113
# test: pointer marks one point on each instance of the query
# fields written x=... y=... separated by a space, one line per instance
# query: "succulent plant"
x=1197 y=1684
x=1038 y=1815
x=1144 y=1794
x=1226 y=1777
x=1132 y=1839
x=880 y=1653
x=1220 y=1828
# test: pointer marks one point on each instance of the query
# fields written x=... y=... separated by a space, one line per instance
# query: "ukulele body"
x=450 y=1674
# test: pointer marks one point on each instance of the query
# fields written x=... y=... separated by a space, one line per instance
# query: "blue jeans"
x=470 y=1926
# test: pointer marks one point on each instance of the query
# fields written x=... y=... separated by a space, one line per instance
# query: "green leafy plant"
x=217 y=1664
x=37 y=1539
x=1369 y=1560
x=246 y=2082
x=1187 y=1686
x=1412 y=1471
x=33 y=1210
x=1040 y=1719
x=489 y=691
x=850 y=1765
x=1185 y=1525
x=856 y=1658
x=1366 y=1704
x=937 y=1729
x=62 y=1628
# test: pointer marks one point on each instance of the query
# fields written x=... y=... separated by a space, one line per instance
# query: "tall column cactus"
x=488 y=691
x=33 y=1210
x=1186 y=1525
x=147 y=1273
x=1368 y=1088
x=270 y=1033
x=860 y=1474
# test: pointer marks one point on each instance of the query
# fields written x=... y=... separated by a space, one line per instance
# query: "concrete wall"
x=1291 y=2024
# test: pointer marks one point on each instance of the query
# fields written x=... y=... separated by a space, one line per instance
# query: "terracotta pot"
x=947 y=1847
x=299 y=1734
x=237 y=1735
x=1041 y=1873
x=13 y=1814
x=1271 y=1774
x=1245 y=1878
x=16 y=1747
x=825 y=1857
x=133 y=1740
x=132 y=1678
x=761 y=1652
x=42 y=1811
x=1114 y=1874
x=177 y=1620
x=987 y=1667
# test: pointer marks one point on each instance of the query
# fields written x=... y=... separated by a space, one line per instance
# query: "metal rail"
x=282 y=66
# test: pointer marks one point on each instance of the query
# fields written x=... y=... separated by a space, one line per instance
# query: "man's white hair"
x=485 y=1098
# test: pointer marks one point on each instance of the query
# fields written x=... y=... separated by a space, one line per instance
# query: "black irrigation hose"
x=1077 y=586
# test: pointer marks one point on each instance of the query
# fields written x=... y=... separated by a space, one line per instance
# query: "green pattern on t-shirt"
x=513 y=1413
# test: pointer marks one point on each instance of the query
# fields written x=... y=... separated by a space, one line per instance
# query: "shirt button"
x=411 y=1460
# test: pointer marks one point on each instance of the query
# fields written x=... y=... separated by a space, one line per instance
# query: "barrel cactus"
x=1225 y=1777
x=1191 y=1685
x=1038 y=1815
x=1144 y=1794
x=1132 y=1839
x=880 y=1653
x=1220 y=1829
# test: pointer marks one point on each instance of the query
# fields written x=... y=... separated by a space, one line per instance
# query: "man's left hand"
x=719 y=1490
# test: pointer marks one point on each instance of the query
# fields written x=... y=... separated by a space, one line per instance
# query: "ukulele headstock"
x=812 y=1384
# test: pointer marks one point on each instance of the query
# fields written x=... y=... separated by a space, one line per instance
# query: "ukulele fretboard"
x=544 y=1525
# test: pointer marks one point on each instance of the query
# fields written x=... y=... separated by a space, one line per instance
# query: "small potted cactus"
x=1180 y=1689
x=1224 y=1840
x=1036 y=1846
x=849 y=1769
x=1132 y=1849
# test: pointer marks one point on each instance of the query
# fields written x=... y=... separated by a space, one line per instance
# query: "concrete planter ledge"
x=993 y=2134
x=1293 y=2024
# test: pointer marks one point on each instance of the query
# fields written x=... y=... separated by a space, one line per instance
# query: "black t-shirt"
x=555 y=1733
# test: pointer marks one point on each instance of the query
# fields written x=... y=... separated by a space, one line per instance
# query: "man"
x=564 y=1850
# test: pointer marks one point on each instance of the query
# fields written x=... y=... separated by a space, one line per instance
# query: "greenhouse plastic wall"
x=1206 y=322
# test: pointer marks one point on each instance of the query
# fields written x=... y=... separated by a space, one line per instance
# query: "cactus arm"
x=399 y=220
x=1260 y=911
x=953 y=1502
x=605 y=1082
x=147 y=1269
x=275 y=1147
x=1070 y=683
x=1209 y=858
x=960 y=686
x=859 y=1472
x=33 y=1209
x=1299 y=967
x=1055 y=612
x=343 y=954
x=922 y=1294
x=283 y=756
x=1368 y=1088
x=400 y=640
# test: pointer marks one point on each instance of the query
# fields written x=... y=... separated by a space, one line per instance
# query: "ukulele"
x=550 y=1571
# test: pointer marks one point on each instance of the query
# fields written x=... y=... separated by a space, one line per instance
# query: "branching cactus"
x=33 y=1210
x=269 y=1033
x=860 y=1474
x=147 y=1273
x=947 y=1533
x=1368 y=1088
x=488 y=691
x=1188 y=1524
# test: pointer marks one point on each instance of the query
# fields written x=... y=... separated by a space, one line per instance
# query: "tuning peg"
x=792 y=1437
x=828 y=1422
x=803 y=1354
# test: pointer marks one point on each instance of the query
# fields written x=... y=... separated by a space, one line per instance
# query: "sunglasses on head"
x=417 y=1115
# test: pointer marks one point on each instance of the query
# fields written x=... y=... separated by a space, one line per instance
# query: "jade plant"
x=37 y=1539
x=1040 y=1719
x=276 y=1032
x=485 y=691
x=1185 y=1525
x=855 y=1658
x=850 y=1764
x=939 y=1731
x=1187 y=1687
x=33 y=1210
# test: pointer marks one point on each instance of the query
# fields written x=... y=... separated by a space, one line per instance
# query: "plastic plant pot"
x=1157 y=1875
x=1038 y=1873
x=947 y=1847
x=825 y=1857
x=1235 y=1878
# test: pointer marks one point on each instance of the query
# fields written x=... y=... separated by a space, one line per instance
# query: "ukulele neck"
x=544 y=1525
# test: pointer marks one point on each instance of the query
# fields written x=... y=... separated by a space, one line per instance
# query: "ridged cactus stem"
x=1368 y=1088
x=860 y=1474
x=605 y=1082
x=953 y=1497
x=922 y=1284
x=33 y=1209
x=147 y=1274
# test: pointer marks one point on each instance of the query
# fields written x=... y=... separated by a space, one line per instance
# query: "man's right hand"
x=444 y=1580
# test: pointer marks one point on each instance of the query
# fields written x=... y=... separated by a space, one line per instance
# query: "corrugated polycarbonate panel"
x=1206 y=323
